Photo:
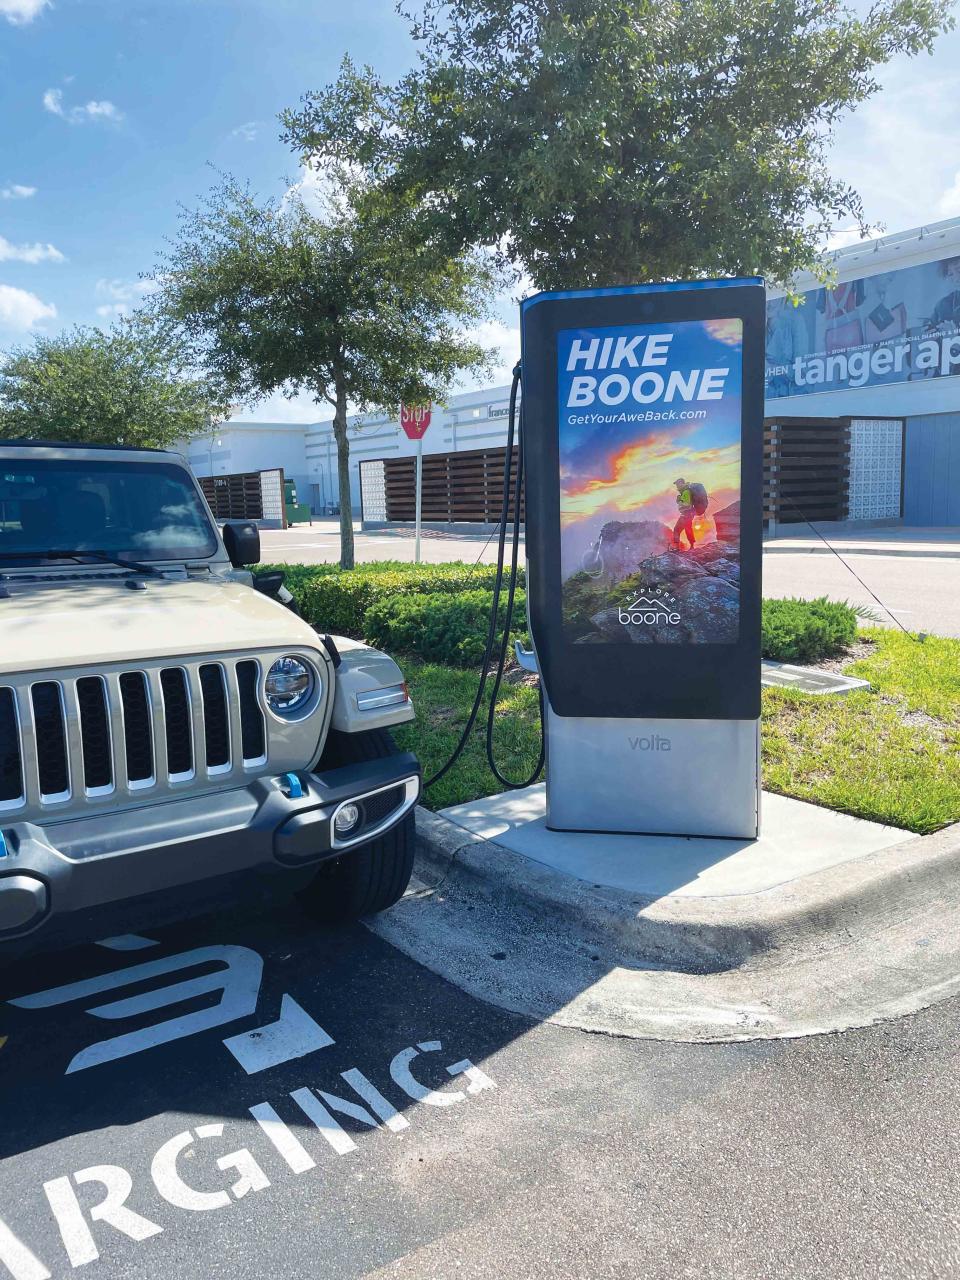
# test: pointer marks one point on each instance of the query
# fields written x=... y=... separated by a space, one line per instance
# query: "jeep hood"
x=94 y=623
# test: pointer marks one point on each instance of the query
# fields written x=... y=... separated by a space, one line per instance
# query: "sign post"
x=415 y=418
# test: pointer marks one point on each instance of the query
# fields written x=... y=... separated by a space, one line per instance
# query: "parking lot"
x=246 y=1095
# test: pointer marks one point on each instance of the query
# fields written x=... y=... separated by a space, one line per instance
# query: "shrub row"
x=441 y=612
x=339 y=600
x=806 y=630
x=443 y=627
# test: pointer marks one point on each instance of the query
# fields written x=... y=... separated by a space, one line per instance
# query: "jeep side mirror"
x=242 y=541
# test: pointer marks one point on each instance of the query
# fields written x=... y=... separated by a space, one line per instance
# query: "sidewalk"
x=941 y=543
x=826 y=923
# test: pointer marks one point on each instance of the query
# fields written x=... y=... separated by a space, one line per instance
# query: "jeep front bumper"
x=84 y=863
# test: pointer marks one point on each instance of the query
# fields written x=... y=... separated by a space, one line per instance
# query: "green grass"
x=853 y=753
x=443 y=697
x=924 y=674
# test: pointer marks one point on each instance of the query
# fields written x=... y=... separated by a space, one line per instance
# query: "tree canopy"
x=596 y=142
x=127 y=386
x=360 y=310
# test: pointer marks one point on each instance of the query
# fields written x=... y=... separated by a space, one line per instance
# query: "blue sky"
x=111 y=110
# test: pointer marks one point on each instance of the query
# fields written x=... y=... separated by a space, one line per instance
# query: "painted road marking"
x=21 y=1263
x=298 y=1158
x=293 y=1035
x=127 y=942
x=198 y=1149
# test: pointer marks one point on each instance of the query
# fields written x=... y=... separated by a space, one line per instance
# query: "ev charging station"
x=642 y=427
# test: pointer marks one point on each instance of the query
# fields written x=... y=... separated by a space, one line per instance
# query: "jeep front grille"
x=11 y=769
x=125 y=732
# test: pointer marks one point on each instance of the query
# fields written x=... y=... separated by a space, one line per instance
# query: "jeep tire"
x=370 y=877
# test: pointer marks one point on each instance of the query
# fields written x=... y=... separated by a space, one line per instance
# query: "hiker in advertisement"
x=692 y=501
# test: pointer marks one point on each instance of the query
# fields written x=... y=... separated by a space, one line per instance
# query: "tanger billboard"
x=898 y=326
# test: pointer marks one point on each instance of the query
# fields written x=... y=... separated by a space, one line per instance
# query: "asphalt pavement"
x=371 y=1120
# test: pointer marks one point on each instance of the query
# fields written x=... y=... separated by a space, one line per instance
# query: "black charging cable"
x=509 y=783
x=497 y=589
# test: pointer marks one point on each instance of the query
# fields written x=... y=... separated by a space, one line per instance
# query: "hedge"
x=441 y=611
x=441 y=627
x=339 y=600
x=807 y=630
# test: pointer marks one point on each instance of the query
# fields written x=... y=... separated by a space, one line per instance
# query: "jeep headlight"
x=289 y=685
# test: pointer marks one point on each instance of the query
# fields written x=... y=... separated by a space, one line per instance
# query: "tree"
x=599 y=142
x=127 y=386
x=360 y=310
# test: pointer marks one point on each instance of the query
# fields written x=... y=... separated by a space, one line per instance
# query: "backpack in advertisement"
x=698 y=495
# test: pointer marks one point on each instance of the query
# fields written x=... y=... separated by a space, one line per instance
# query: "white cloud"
x=32 y=253
x=899 y=149
x=93 y=110
x=277 y=408
x=22 y=310
x=948 y=206
x=20 y=12
x=121 y=293
x=842 y=237
x=248 y=132
x=17 y=192
x=505 y=340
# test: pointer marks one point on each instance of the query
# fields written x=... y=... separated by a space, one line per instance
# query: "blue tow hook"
x=3 y=846
x=293 y=786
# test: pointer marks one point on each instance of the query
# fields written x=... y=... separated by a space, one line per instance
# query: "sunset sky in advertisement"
x=626 y=470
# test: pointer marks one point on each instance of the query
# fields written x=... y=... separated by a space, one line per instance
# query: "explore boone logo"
x=650 y=609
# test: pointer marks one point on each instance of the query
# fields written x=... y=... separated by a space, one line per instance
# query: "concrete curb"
x=916 y=552
x=703 y=935
x=847 y=946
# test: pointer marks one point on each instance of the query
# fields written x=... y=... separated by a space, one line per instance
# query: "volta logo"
x=650 y=609
x=656 y=742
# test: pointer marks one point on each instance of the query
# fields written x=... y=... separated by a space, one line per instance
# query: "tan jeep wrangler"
x=165 y=725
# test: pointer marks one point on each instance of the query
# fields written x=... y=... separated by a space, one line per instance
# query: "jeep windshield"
x=129 y=511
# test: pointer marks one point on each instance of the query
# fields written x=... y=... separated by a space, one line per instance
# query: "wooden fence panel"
x=234 y=497
x=806 y=476
x=806 y=465
x=458 y=488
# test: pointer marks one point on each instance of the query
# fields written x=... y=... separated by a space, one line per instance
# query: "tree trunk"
x=343 y=475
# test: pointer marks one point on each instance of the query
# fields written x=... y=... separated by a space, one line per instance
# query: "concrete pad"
x=783 y=675
x=796 y=840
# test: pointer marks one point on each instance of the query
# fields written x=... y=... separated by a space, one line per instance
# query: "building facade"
x=880 y=347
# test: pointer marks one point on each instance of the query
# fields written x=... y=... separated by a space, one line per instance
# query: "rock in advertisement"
x=650 y=425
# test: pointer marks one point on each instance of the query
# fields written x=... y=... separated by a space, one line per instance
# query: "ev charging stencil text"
x=95 y=1205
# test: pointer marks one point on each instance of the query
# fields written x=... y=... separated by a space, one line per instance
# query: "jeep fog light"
x=289 y=685
x=346 y=819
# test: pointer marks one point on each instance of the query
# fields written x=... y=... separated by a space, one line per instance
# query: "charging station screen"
x=650 y=420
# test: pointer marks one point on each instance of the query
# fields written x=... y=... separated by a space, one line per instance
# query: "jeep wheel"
x=369 y=877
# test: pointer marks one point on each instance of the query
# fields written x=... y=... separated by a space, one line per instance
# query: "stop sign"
x=415 y=418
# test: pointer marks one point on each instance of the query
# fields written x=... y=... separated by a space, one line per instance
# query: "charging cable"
x=495 y=610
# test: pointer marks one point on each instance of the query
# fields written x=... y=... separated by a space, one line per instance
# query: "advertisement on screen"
x=898 y=326
x=650 y=421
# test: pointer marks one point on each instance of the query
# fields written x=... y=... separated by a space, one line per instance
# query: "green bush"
x=440 y=627
x=806 y=630
x=338 y=600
